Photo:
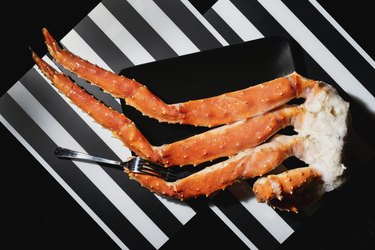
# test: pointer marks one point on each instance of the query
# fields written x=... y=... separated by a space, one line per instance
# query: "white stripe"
x=233 y=227
x=93 y=171
x=343 y=32
x=63 y=183
x=204 y=21
x=164 y=26
x=266 y=215
x=119 y=35
x=238 y=22
x=319 y=52
x=75 y=43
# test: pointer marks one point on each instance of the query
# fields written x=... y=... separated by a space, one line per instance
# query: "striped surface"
x=119 y=34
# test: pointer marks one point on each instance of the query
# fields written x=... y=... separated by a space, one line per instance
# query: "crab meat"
x=257 y=114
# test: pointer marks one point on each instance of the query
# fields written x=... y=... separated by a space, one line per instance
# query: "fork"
x=134 y=164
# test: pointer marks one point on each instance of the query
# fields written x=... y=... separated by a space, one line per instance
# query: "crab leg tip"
x=51 y=43
x=46 y=34
x=33 y=54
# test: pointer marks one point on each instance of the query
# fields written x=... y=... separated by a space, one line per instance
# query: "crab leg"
x=218 y=142
x=246 y=164
x=208 y=112
x=230 y=139
x=293 y=189
x=289 y=190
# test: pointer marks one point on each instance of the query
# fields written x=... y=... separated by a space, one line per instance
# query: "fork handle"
x=72 y=154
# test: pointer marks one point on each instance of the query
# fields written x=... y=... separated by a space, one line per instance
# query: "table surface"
x=40 y=213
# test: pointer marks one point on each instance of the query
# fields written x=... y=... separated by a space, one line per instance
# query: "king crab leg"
x=208 y=112
x=215 y=143
x=247 y=164
x=230 y=139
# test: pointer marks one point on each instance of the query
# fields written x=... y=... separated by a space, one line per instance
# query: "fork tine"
x=142 y=166
x=140 y=169
x=164 y=173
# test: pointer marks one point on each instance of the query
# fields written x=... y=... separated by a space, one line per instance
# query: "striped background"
x=118 y=34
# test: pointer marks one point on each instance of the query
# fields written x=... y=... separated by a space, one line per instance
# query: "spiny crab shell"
x=245 y=133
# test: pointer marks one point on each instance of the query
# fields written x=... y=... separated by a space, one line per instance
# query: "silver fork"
x=134 y=164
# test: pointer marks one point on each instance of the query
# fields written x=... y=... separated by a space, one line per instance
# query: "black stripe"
x=244 y=220
x=102 y=45
x=259 y=17
x=140 y=29
x=294 y=220
x=92 y=143
x=222 y=27
x=69 y=172
x=205 y=231
x=189 y=24
x=334 y=41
